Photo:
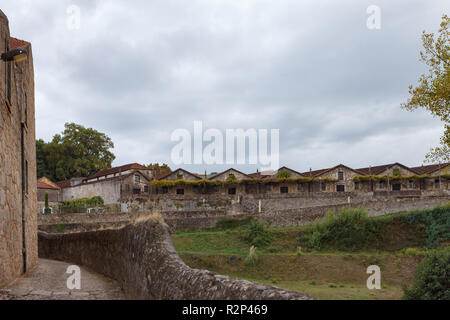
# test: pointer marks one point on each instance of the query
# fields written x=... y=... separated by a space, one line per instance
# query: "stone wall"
x=267 y=203
x=108 y=190
x=142 y=258
x=188 y=219
x=18 y=219
x=302 y=216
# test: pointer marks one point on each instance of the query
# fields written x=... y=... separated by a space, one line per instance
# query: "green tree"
x=160 y=168
x=77 y=152
x=433 y=90
x=432 y=278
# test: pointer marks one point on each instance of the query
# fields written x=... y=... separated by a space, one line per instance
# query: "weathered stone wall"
x=17 y=199
x=195 y=218
x=53 y=195
x=300 y=216
x=108 y=190
x=267 y=203
x=142 y=258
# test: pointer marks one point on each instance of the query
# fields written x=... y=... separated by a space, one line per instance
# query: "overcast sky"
x=137 y=70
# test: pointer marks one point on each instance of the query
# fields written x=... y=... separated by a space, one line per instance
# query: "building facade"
x=113 y=185
x=393 y=177
x=18 y=205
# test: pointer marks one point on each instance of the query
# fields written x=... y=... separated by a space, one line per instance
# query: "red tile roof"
x=131 y=166
x=45 y=183
x=376 y=170
x=17 y=43
x=179 y=169
x=64 y=184
x=430 y=168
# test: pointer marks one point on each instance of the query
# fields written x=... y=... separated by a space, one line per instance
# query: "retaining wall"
x=142 y=258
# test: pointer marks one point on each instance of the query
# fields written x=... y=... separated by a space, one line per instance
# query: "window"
x=396 y=187
x=180 y=191
x=179 y=176
x=136 y=191
x=437 y=184
x=340 y=188
x=231 y=190
x=146 y=189
x=323 y=186
x=268 y=187
x=396 y=172
x=356 y=185
x=137 y=178
x=411 y=184
x=300 y=187
x=127 y=188
x=382 y=185
x=340 y=175
x=165 y=190
x=284 y=189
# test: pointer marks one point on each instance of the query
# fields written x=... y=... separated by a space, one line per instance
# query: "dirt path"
x=48 y=282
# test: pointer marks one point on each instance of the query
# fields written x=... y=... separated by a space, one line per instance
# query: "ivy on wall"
x=206 y=182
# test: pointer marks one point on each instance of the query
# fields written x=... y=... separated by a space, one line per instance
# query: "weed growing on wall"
x=351 y=229
x=436 y=221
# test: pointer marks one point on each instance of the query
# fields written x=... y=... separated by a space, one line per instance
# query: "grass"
x=335 y=276
x=326 y=274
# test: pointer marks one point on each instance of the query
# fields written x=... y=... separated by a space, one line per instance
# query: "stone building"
x=113 y=185
x=230 y=174
x=342 y=174
x=340 y=178
x=46 y=187
x=18 y=218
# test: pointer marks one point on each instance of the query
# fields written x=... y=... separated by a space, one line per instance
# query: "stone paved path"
x=48 y=282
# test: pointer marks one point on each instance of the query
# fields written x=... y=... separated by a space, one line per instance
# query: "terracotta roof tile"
x=430 y=168
x=17 y=43
x=131 y=166
x=45 y=183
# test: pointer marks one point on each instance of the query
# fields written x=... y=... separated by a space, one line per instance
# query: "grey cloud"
x=139 y=70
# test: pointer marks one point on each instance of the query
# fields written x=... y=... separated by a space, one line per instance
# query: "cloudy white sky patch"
x=139 y=70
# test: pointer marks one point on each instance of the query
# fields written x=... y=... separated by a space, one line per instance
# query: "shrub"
x=80 y=205
x=231 y=178
x=436 y=221
x=47 y=209
x=351 y=229
x=258 y=235
x=283 y=175
x=432 y=278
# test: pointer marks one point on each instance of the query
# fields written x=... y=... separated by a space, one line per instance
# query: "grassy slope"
x=324 y=275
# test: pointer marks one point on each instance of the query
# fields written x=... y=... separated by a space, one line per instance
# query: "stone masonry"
x=18 y=218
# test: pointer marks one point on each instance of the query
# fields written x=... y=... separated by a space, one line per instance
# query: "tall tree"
x=160 y=168
x=77 y=152
x=433 y=90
